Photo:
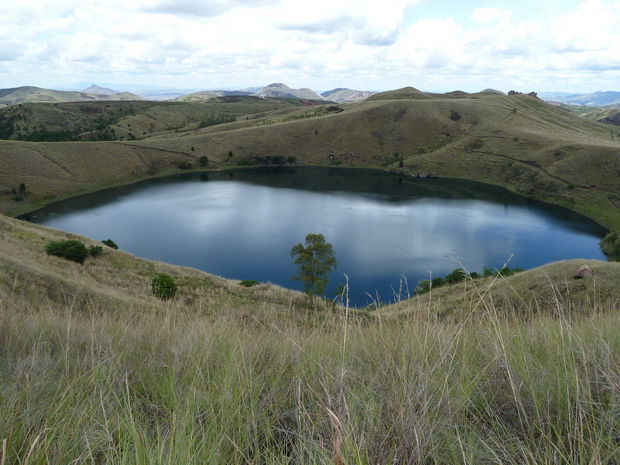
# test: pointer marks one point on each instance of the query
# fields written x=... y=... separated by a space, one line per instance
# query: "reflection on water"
x=387 y=230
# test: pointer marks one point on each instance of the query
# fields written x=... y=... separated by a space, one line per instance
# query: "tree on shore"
x=315 y=262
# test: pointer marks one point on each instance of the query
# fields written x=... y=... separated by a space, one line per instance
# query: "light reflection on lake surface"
x=385 y=228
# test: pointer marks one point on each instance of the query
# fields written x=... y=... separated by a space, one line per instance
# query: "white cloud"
x=489 y=14
x=327 y=44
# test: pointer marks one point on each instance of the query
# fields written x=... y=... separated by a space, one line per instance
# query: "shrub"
x=72 y=250
x=611 y=246
x=248 y=282
x=456 y=276
x=163 y=286
x=203 y=160
x=95 y=250
x=423 y=287
x=110 y=243
x=184 y=165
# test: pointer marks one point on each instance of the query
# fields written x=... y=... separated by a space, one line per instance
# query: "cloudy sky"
x=433 y=45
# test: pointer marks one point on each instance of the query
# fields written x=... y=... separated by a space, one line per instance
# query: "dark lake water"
x=388 y=231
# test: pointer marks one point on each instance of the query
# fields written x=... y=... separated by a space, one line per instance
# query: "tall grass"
x=190 y=387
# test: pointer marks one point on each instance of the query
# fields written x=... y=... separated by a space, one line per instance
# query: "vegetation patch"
x=459 y=275
x=73 y=250
x=611 y=246
x=164 y=286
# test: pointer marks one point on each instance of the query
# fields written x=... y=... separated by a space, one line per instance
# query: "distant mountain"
x=209 y=94
x=95 y=89
x=146 y=91
x=30 y=94
x=341 y=95
x=282 y=90
x=595 y=99
x=252 y=90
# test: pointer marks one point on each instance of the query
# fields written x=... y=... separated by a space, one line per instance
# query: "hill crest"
x=31 y=94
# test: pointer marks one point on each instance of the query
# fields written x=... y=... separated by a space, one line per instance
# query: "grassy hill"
x=608 y=114
x=282 y=90
x=128 y=120
x=341 y=95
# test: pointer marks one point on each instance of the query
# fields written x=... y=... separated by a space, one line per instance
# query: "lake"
x=388 y=231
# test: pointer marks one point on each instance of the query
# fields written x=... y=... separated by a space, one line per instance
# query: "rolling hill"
x=282 y=90
x=122 y=120
x=341 y=95
x=594 y=99
x=29 y=94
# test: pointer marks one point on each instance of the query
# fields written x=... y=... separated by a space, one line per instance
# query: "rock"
x=584 y=271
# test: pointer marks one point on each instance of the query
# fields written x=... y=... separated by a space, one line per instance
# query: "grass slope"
x=94 y=369
x=548 y=290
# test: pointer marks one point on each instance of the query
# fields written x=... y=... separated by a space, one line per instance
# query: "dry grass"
x=550 y=290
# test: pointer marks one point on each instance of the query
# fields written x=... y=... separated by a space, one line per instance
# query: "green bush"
x=611 y=246
x=73 y=250
x=163 y=286
x=423 y=287
x=95 y=250
x=110 y=243
x=203 y=160
x=184 y=165
x=248 y=282
x=456 y=276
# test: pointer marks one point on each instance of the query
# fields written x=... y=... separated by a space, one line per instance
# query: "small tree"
x=315 y=262
x=203 y=160
x=163 y=286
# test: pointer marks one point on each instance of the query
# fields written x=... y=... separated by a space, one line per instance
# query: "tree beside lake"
x=315 y=261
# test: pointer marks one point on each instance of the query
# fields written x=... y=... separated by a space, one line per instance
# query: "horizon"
x=125 y=87
x=557 y=45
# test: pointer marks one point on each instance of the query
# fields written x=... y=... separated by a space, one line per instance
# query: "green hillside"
x=128 y=120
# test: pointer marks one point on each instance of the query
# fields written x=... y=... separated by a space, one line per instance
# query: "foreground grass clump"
x=95 y=369
x=174 y=387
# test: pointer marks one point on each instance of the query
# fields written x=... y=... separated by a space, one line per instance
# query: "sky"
x=432 y=45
